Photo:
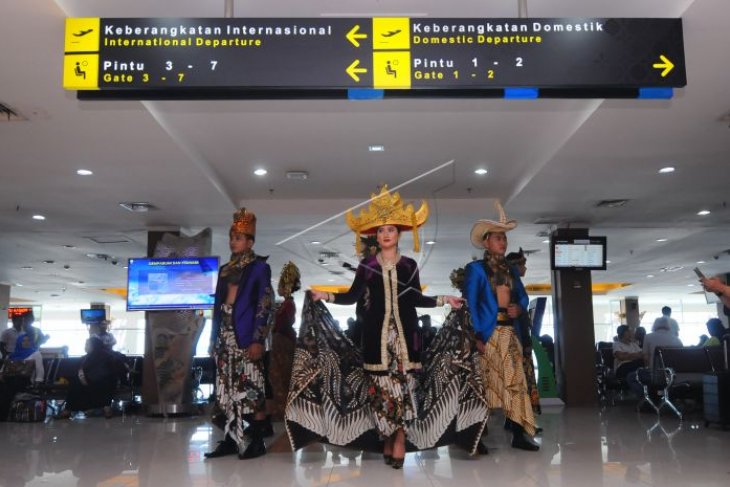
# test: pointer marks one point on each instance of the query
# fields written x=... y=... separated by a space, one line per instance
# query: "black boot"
x=225 y=447
x=521 y=440
x=257 y=447
x=268 y=429
x=482 y=448
x=508 y=423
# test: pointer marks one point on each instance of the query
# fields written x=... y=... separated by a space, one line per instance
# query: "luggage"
x=27 y=408
x=716 y=391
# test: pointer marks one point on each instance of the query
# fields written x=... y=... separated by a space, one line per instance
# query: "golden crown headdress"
x=289 y=281
x=244 y=222
x=387 y=209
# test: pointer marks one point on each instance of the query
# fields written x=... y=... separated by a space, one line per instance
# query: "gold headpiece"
x=289 y=281
x=387 y=209
x=244 y=222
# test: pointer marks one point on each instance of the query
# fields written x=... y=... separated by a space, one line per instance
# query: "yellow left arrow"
x=353 y=35
x=353 y=70
x=666 y=64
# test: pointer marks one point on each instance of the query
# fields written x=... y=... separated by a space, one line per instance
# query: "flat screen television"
x=167 y=284
x=93 y=316
x=578 y=253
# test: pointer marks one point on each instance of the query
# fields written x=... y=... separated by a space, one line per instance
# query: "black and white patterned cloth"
x=330 y=396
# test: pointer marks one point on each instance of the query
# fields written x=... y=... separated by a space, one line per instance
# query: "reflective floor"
x=580 y=447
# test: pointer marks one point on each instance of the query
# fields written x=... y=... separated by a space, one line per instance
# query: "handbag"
x=18 y=368
x=27 y=408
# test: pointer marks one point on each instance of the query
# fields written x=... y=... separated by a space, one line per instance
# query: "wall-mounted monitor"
x=20 y=311
x=166 y=284
x=578 y=253
x=93 y=316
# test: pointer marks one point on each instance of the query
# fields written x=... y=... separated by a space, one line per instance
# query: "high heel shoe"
x=397 y=463
x=388 y=459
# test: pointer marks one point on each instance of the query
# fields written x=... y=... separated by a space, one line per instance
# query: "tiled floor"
x=580 y=447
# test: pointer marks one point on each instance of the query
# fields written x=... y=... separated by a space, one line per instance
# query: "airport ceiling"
x=550 y=161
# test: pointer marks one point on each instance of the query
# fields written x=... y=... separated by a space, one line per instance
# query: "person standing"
x=667 y=313
x=243 y=301
x=284 y=339
x=9 y=336
x=390 y=321
x=496 y=299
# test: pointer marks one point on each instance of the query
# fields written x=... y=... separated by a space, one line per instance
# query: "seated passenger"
x=661 y=336
x=716 y=330
x=94 y=385
x=17 y=373
x=626 y=352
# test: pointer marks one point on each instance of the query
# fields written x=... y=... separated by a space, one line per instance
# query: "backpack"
x=27 y=408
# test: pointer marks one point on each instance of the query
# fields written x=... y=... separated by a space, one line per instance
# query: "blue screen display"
x=180 y=283
x=93 y=316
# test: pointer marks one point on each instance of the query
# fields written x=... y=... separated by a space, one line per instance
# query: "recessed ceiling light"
x=18 y=284
x=650 y=276
x=662 y=239
x=608 y=262
x=69 y=246
x=260 y=172
x=431 y=242
x=481 y=171
x=315 y=242
x=546 y=241
x=703 y=212
x=330 y=280
x=690 y=285
x=376 y=148
x=137 y=206
x=666 y=170
x=84 y=172
x=48 y=261
x=39 y=217
x=700 y=261
x=27 y=267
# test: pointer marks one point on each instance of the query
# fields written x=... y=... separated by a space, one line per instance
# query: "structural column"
x=574 y=336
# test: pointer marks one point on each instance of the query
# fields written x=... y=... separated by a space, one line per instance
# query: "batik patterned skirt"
x=504 y=378
x=393 y=395
x=332 y=399
x=240 y=390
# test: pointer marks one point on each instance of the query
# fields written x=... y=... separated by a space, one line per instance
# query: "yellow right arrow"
x=353 y=70
x=666 y=64
x=353 y=35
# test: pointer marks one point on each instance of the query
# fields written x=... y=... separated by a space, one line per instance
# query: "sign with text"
x=382 y=52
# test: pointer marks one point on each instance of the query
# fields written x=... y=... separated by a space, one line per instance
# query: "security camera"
x=114 y=261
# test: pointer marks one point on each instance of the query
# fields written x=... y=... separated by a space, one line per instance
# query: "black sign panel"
x=383 y=53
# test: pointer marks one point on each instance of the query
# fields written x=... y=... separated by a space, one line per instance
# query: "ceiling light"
x=27 y=267
x=138 y=206
x=376 y=148
x=48 y=261
x=546 y=241
x=690 y=285
x=39 y=217
x=650 y=276
x=661 y=240
x=608 y=262
x=703 y=212
x=315 y=242
x=700 y=261
x=330 y=280
x=18 y=284
x=431 y=242
x=481 y=171
x=260 y=172
x=300 y=175
x=84 y=172
x=69 y=246
x=666 y=170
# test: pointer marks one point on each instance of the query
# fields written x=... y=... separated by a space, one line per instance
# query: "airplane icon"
x=391 y=33
x=82 y=33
